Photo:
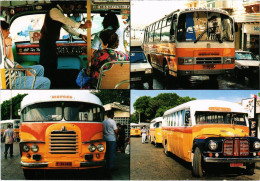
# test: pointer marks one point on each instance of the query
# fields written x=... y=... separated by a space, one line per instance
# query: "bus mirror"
x=19 y=112
x=236 y=27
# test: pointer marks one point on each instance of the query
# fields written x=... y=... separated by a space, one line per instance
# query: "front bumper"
x=204 y=72
x=45 y=164
x=231 y=160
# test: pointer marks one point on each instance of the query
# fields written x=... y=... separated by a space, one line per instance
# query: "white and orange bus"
x=61 y=130
x=191 y=42
x=15 y=126
x=156 y=131
x=210 y=131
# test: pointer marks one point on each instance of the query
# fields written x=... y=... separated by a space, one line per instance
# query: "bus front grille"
x=208 y=60
x=63 y=142
x=236 y=147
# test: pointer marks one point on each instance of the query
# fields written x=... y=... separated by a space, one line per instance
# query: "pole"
x=89 y=33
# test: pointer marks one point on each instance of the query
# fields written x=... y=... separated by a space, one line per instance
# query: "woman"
x=110 y=22
x=40 y=82
x=109 y=42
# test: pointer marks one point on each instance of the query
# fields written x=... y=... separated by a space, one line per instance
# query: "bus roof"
x=57 y=95
x=208 y=105
x=158 y=119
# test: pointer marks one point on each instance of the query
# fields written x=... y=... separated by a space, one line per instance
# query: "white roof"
x=203 y=105
x=158 y=119
x=60 y=95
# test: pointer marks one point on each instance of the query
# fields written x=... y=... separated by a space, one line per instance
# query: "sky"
x=227 y=95
x=146 y=12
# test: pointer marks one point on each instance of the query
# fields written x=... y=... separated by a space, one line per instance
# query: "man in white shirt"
x=50 y=33
x=110 y=131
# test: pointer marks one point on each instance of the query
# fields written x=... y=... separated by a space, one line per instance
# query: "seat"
x=117 y=77
x=12 y=74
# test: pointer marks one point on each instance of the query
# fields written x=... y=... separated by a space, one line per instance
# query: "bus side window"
x=173 y=28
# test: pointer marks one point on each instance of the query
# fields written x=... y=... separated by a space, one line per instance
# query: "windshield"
x=245 y=56
x=31 y=23
x=69 y=111
x=221 y=118
x=204 y=26
x=17 y=124
x=138 y=57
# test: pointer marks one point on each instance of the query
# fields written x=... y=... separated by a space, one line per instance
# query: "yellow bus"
x=191 y=42
x=210 y=131
x=156 y=131
x=135 y=129
x=15 y=126
x=61 y=130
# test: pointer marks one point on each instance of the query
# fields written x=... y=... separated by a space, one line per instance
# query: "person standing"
x=23 y=81
x=50 y=33
x=144 y=133
x=110 y=131
x=120 y=138
x=9 y=139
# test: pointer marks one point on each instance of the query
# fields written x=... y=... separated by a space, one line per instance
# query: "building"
x=122 y=114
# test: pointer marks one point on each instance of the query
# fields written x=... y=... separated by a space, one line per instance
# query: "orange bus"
x=210 y=131
x=156 y=131
x=191 y=42
x=15 y=126
x=61 y=130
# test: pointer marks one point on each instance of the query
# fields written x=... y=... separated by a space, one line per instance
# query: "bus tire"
x=197 y=169
x=165 y=150
x=250 y=169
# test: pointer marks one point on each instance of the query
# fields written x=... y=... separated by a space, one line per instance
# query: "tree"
x=9 y=108
x=110 y=96
x=151 y=108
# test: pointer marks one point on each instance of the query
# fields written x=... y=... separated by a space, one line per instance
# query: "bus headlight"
x=228 y=60
x=91 y=148
x=213 y=145
x=257 y=145
x=35 y=148
x=148 y=71
x=26 y=148
x=100 y=147
x=183 y=61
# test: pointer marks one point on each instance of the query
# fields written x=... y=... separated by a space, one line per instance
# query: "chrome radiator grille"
x=208 y=60
x=63 y=142
x=236 y=147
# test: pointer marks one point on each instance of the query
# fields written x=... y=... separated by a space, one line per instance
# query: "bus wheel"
x=250 y=169
x=165 y=150
x=197 y=169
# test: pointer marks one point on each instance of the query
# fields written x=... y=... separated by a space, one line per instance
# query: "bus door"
x=187 y=135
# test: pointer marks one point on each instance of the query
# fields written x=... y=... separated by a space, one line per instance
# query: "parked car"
x=141 y=70
x=246 y=64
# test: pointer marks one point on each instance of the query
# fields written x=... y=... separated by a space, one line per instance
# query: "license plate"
x=208 y=66
x=64 y=164
x=236 y=164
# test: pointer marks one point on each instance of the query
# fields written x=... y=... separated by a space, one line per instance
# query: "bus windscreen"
x=68 y=111
x=204 y=26
x=220 y=118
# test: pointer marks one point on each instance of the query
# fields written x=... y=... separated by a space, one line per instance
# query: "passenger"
x=9 y=139
x=120 y=138
x=110 y=22
x=40 y=82
x=50 y=33
x=109 y=41
x=144 y=133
